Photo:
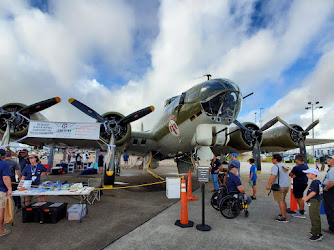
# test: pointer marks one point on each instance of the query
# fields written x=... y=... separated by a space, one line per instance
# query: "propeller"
x=300 y=136
x=254 y=137
x=14 y=119
x=112 y=127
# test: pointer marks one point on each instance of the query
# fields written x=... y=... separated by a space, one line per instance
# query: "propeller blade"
x=312 y=125
x=39 y=106
x=136 y=115
x=302 y=149
x=240 y=125
x=269 y=124
x=6 y=136
x=287 y=125
x=256 y=154
x=110 y=165
x=85 y=109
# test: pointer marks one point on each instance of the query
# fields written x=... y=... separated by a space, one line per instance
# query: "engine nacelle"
x=122 y=133
x=281 y=137
x=241 y=139
x=20 y=125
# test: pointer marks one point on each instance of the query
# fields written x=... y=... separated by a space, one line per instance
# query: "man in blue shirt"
x=33 y=172
x=299 y=184
x=234 y=185
x=126 y=160
x=5 y=189
x=214 y=170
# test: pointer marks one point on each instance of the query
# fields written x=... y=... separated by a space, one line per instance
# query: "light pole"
x=312 y=107
x=260 y=117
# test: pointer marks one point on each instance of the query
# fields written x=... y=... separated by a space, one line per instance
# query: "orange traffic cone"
x=190 y=196
x=184 y=222
x=293 y=202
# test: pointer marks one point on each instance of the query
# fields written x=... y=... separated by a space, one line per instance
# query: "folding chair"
x=85 y=165
x=70 y=168
x=95 y=194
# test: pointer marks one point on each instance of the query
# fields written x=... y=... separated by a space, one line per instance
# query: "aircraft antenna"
x=208 y=75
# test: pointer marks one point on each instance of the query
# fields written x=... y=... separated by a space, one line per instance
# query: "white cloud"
x=55 y=53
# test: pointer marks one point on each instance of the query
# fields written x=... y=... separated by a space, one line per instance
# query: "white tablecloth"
x=36 y=191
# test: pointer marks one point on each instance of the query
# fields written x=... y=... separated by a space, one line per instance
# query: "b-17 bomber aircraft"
x=194 y=125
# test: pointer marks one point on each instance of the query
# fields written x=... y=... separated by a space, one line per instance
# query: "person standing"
x=126 y=160
x=78 y=160
x=279 y=175
x=100 y=163
x=23 y=157
x=214 y=170
x=314 y=199
x=299 y=184
x=234 y=162
x=5 y=189
x=33 y=172
x=253 y=177
x=328 y=185
x=15 y=169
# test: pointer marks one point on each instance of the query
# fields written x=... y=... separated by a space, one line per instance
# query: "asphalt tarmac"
x=143 y=218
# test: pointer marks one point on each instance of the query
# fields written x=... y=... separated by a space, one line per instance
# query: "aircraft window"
x=135 y=141
x=176 y=102
x=229 y=84
x=239 y=105
x=209 y=89
x=191 y=97
x=212 y=106
x=143 y=142
x=229 y=104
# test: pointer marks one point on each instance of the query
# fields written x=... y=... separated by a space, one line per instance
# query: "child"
x=314 y=198
x=252 y=177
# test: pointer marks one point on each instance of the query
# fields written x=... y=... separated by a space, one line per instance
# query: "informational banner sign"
x=88 y=131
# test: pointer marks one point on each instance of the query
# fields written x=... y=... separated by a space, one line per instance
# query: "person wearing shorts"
x=5 y=189
x=253 y=177
x=279 y=175
x=299 y=184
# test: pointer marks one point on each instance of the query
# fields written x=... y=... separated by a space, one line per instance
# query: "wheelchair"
x=230 y=205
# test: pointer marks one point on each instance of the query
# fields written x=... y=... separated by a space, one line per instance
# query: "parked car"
x=286 y=158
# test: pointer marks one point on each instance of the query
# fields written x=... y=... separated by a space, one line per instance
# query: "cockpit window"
x=209 y=89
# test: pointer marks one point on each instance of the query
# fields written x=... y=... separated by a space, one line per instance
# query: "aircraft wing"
x=312 y=142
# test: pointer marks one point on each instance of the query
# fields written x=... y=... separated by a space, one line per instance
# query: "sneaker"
x=298 y=215
x=315 y=237
x=281 y=219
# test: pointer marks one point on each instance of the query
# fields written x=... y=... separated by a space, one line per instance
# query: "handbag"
x=276 y=187
x=9 y=210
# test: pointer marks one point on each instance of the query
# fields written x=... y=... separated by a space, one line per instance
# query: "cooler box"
x=53 y=213
x=76 y=212
x=32 y=213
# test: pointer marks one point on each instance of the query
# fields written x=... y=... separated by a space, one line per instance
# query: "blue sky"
x=124 y=55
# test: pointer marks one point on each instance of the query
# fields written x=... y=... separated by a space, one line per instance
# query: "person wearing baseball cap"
x=15 y=169
x=234 y=186
x=33 y=172
x=5 y=189
x=328 y=185
x=234 y=162
x=314 y=199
